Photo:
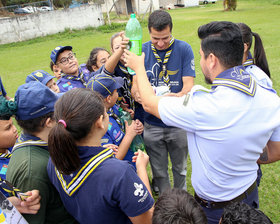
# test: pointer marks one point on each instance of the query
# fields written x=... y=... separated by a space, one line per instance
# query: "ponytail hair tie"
x=62 y=122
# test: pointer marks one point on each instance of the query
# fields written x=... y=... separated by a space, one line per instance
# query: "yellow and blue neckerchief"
x=29 y=140
x=11 y=190
x=249 y=61
x=71 y=183
x=111 y=113
x=80 y=77
x=5 y=155
x=163 y=64
x=236 y=78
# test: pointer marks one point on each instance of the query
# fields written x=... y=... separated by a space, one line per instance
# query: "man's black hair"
x=176 y=206
x=224 y=40
x=159 y=20
x=241 y=213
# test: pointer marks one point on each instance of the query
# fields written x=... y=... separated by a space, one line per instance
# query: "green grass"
x=20 y=59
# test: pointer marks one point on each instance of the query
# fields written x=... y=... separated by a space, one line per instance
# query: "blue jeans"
x=214 y=215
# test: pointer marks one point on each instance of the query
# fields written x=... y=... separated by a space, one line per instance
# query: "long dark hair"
x=259 y=53
x=79 y=109
x=92 y=60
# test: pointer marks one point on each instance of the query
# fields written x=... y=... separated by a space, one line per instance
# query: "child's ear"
x=99 y=122
x=49 y=123
x=108 y=99
x=94 y=67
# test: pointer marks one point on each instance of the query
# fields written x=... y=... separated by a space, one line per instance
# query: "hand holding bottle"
x=133 y=61
x=139 y=127
x=125 y=41
x=131 y=130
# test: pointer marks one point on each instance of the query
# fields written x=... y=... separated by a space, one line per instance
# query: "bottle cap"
x=133 y=16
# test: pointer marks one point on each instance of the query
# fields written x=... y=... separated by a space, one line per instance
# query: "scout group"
x=73 y=159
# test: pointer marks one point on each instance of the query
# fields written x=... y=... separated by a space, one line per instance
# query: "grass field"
x=20 y=59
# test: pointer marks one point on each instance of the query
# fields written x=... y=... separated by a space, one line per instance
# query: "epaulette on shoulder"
x=195 y=89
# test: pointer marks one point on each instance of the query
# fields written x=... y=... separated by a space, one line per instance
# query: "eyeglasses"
x=65 y=60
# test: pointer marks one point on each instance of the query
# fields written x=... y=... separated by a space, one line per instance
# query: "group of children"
x=72 y=144
x=34 y=112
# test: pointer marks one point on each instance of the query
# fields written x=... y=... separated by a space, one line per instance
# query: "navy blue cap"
x=57 y=51
x=39 y=75
x=105 y=84
x=34 y=100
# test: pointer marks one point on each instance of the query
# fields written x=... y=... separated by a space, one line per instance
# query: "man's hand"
x=133 y=61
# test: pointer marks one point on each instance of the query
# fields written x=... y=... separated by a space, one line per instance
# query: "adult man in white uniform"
x=227 y=127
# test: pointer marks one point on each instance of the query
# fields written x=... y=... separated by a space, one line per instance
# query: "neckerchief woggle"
x=71 y=183
x=29 y=140
x=128 y=83
x=163 y=63
x=80 y=77
x=236 y=78
x=249 y=60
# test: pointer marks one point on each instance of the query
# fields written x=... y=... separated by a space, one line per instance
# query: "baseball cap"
x=39 y=75
x=34 y=100
x=105 y=84
x=57 y=51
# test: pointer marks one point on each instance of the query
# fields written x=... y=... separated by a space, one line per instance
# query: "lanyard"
x=165 y=61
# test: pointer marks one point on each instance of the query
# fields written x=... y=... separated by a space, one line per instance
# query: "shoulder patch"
x=195 y=89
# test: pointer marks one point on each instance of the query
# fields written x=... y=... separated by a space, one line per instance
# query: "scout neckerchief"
x=127 y=85
x=165 y=60
x=5 y=155
x=80 y=77
x=29 y=140
x=112 y=114
x=11 y=190
x=236 y=78
x=71 y=183
x=249 y=61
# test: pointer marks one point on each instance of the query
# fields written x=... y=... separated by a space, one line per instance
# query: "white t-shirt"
x=227 y=131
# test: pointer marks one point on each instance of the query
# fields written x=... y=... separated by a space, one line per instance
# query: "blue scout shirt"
x=115 y=134
x=180 y=64
x=68 y=82
x=4 y=161
x=108 y=193
x=2 y=89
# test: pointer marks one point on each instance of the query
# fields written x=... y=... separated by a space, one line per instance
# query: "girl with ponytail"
x=257 y=65
x=94 y=186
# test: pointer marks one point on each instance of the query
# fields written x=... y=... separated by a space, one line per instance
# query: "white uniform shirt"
x=227 y=131
x=260 y=76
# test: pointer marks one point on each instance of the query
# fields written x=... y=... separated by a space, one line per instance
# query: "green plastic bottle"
x=133 y=31
x=138 y=141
